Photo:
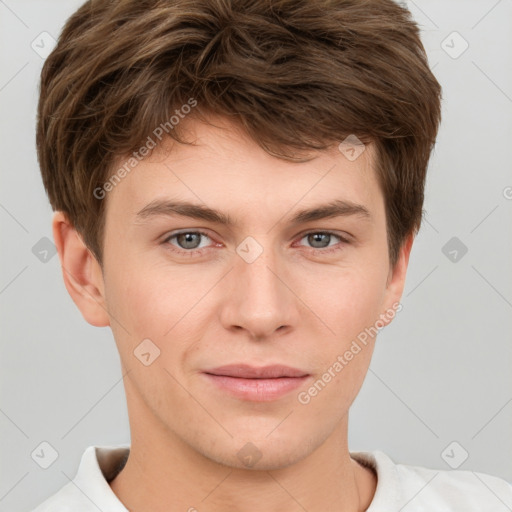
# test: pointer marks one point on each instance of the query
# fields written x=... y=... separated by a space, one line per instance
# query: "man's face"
x=264 y=290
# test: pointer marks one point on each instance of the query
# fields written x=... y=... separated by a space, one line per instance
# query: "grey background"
x=441 y=370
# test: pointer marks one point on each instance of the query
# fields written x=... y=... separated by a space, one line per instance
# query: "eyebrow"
x=336 y=208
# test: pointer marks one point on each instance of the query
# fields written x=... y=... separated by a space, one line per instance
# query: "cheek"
x=349 y=307
x=157 y=301
x=346 y=300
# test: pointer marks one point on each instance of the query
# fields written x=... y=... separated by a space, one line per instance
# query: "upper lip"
x=245 y=371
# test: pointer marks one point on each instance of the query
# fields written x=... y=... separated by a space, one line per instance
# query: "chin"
x=259 y=453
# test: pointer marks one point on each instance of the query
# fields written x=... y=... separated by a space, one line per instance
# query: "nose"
x=258 y=299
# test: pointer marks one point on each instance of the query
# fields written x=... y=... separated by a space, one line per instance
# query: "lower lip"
x=259 y=390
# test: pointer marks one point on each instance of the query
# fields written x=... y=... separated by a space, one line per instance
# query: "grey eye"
x=319 y=240
x=188 y=240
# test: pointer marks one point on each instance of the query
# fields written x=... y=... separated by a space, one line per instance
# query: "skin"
x=292 y=305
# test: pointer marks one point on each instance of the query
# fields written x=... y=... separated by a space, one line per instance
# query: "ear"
x=396 y=281
x=81 y=271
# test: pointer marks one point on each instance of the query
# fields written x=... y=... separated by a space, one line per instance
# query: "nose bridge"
x=260 y=302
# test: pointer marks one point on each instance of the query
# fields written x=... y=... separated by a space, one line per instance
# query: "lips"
x=244 y=371
x=258 y=384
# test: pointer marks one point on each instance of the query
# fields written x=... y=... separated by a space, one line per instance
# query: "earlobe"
x=81 y=272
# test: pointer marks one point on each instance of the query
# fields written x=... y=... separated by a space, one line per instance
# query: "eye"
x=321 y=241
x=192 y=242
x=187 y=241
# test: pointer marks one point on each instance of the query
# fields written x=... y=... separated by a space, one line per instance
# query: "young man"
x=237 y=187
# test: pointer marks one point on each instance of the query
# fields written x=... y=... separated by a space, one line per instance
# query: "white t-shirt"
x=400 y=488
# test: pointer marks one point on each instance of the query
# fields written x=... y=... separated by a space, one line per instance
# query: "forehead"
x=226 y=170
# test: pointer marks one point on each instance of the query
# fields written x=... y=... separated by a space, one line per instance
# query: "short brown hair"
x=295 y=74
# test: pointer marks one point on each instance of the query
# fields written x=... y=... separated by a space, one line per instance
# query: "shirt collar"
x=98 y=466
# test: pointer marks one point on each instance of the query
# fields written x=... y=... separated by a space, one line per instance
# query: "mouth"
x=261 y=384
x=245 y=371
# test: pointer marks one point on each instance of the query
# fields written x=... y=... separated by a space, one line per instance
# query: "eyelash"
x=193 y=252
